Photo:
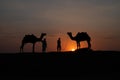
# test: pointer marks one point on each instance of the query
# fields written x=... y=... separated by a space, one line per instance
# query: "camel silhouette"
x=83 y=36
x=31 y=39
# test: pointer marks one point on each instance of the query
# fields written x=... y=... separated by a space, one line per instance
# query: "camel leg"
x=33 y=48
x=21 y=48
x=79 y=45
x=89 y=44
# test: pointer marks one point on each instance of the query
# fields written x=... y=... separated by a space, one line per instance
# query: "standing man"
x=44 y=45
x=59 y=45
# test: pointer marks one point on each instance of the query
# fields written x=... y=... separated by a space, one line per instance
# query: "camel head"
x=69 y=33
x=42 y=35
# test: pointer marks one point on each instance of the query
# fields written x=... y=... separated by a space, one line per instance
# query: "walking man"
x=44 y=45
x=59 y=45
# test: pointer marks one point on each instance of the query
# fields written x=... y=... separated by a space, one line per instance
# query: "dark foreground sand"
x=82 y=64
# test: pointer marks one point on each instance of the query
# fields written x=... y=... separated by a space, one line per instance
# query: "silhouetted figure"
x=59 y=45
x=83 y=36
x=44 y=45
x=31 y=39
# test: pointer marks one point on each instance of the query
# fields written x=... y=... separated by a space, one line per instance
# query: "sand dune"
x=105 y=63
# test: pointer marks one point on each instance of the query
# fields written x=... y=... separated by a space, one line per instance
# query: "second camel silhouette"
x=83 y=36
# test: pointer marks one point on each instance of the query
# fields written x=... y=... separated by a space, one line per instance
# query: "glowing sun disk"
x=73 y=49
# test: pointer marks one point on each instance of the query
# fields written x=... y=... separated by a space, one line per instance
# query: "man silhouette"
x=59 y=45
x=44 y=45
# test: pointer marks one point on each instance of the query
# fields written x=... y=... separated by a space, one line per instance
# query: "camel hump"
x=32 y=35
x=83 y=35
x=29 y=36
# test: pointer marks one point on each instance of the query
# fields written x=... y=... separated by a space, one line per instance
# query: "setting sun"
x=73 y=49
